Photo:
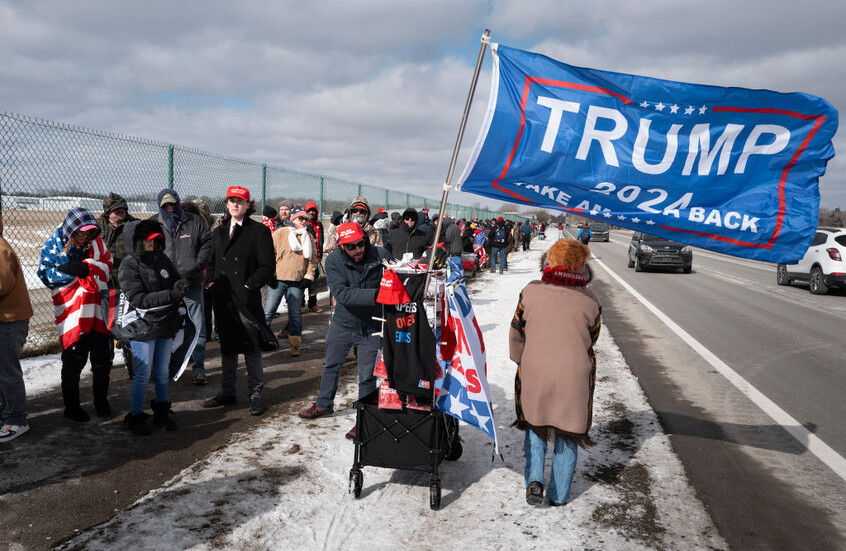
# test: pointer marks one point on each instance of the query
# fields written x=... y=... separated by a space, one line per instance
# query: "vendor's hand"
x=306 y=283
x=76 y=269
x=182 y=286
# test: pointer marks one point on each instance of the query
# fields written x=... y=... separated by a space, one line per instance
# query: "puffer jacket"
x=293 y=266
x=113 y=235
x=188 y=244
x=403 y=240
x=354 y=286
x=146 y=279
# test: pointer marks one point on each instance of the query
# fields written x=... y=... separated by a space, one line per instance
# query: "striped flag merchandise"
x=464 y=393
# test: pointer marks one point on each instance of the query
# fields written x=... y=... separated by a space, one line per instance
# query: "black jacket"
x=113 y=236
x=240 y=266
x=403 y=240
x=451 y=236
x=190 y=248
x=146 y=279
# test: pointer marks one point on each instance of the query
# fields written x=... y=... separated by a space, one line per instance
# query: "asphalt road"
x=765 y=490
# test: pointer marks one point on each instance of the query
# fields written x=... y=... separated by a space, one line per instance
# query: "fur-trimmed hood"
x=135 y=233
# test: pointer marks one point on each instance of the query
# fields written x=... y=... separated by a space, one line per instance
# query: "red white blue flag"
x=464 y=393
x=727 y=169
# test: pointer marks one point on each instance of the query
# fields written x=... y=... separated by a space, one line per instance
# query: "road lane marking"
x=811 y=442
x=730 y=279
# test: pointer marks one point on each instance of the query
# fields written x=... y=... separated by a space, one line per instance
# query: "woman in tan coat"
x=551 y=340
x=296 y=264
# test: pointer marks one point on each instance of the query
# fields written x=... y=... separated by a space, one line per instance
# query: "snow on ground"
x=284 y=484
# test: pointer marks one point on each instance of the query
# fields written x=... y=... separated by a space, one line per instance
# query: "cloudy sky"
x=373 y=90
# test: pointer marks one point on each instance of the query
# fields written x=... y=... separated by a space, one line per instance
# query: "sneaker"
x=534 y=493
x=316 y=309
x=218 y=401
x=555 y=504
x=200 y=378
x=257 y=406
x=10 y=432
x=314 y=412
x=351 y=434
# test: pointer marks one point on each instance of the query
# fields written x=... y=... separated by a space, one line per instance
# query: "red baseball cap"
x=380 y=210
x=349 y=232
x=238 y=191
x=391 y=289
x=153 y=236
x=311 y=205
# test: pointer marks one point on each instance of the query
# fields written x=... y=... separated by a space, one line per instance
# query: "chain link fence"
x=47 y=168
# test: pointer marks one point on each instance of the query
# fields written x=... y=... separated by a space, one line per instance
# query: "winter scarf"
x=559 y=276
x=171 y=220
x=299 y=243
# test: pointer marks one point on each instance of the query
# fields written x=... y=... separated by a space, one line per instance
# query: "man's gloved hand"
x=76 y=269
x=305 y=283
x=176 y=295
x=182 y=286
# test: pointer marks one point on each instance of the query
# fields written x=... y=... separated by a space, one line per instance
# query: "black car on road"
x=650 y=251
x=599 y=231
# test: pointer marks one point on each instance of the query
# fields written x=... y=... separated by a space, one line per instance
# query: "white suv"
x=822 y=266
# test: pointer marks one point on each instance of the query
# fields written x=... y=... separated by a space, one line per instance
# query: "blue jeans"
x=503 y=258
x=12 y=389
x=155 y=354
x=338 y=344
x=563 y=465
x=293 y=297
x=196 y=313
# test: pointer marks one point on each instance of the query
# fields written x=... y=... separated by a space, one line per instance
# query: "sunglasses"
x=354 y=246
x=358 y=211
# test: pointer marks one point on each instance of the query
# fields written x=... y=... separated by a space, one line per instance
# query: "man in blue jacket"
x=353 y=273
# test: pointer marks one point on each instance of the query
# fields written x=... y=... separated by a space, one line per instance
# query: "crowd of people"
x=182 y=266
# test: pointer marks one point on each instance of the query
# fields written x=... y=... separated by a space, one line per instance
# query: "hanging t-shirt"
x=408 y=348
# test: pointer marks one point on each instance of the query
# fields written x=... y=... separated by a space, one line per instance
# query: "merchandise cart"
x=406 y=438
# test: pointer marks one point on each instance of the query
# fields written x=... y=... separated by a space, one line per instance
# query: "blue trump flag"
x=727 y=169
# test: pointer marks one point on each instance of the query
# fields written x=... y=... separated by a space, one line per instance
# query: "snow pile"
x=284 y=485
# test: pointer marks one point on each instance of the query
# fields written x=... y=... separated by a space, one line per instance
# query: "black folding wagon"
x=407 y=439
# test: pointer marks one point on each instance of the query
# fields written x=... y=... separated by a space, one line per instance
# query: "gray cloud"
x=373 y=90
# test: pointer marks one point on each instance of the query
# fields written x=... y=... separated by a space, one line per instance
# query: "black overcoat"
x=240 y=266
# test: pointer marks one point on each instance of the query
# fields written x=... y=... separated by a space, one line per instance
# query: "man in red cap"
x=353 y=272
x=315 y=228
x=243 y=262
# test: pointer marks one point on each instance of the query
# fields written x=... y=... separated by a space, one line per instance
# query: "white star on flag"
x=635 y=219
x=483 y=419
x=456 y=406
x=594 y=212
x=689 y=110
x=659 y=106
x=674 y=108
x=650 y=223
x=702 y=110
x=645 y=104
x=606 y=214
x=621 y=217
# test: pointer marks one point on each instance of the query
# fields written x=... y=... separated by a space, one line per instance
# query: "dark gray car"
x=650 y=251
x=599 y=231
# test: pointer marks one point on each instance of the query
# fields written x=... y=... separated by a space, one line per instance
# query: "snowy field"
x=284 y=485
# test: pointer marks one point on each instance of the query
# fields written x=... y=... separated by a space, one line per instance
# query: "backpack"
x=500 y=238
x=584 y=236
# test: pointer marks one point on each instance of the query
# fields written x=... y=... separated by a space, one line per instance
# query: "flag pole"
x=486 y=39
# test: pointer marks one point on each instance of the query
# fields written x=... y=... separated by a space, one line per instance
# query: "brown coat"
x=14 y=297
x=290 y=265
x=553 y=350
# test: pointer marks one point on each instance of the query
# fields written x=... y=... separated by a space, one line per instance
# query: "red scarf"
x=559 y=276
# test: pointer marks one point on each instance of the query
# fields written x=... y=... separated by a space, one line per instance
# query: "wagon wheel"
x=356 y=481
x=435 y=495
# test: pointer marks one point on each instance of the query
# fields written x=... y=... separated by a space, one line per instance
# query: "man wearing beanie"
x=113 y=220
x=188 y=244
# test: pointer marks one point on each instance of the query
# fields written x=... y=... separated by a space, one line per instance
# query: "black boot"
x=160 y=415
x=73 y=410
x=138 y=424
x=101 y=397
